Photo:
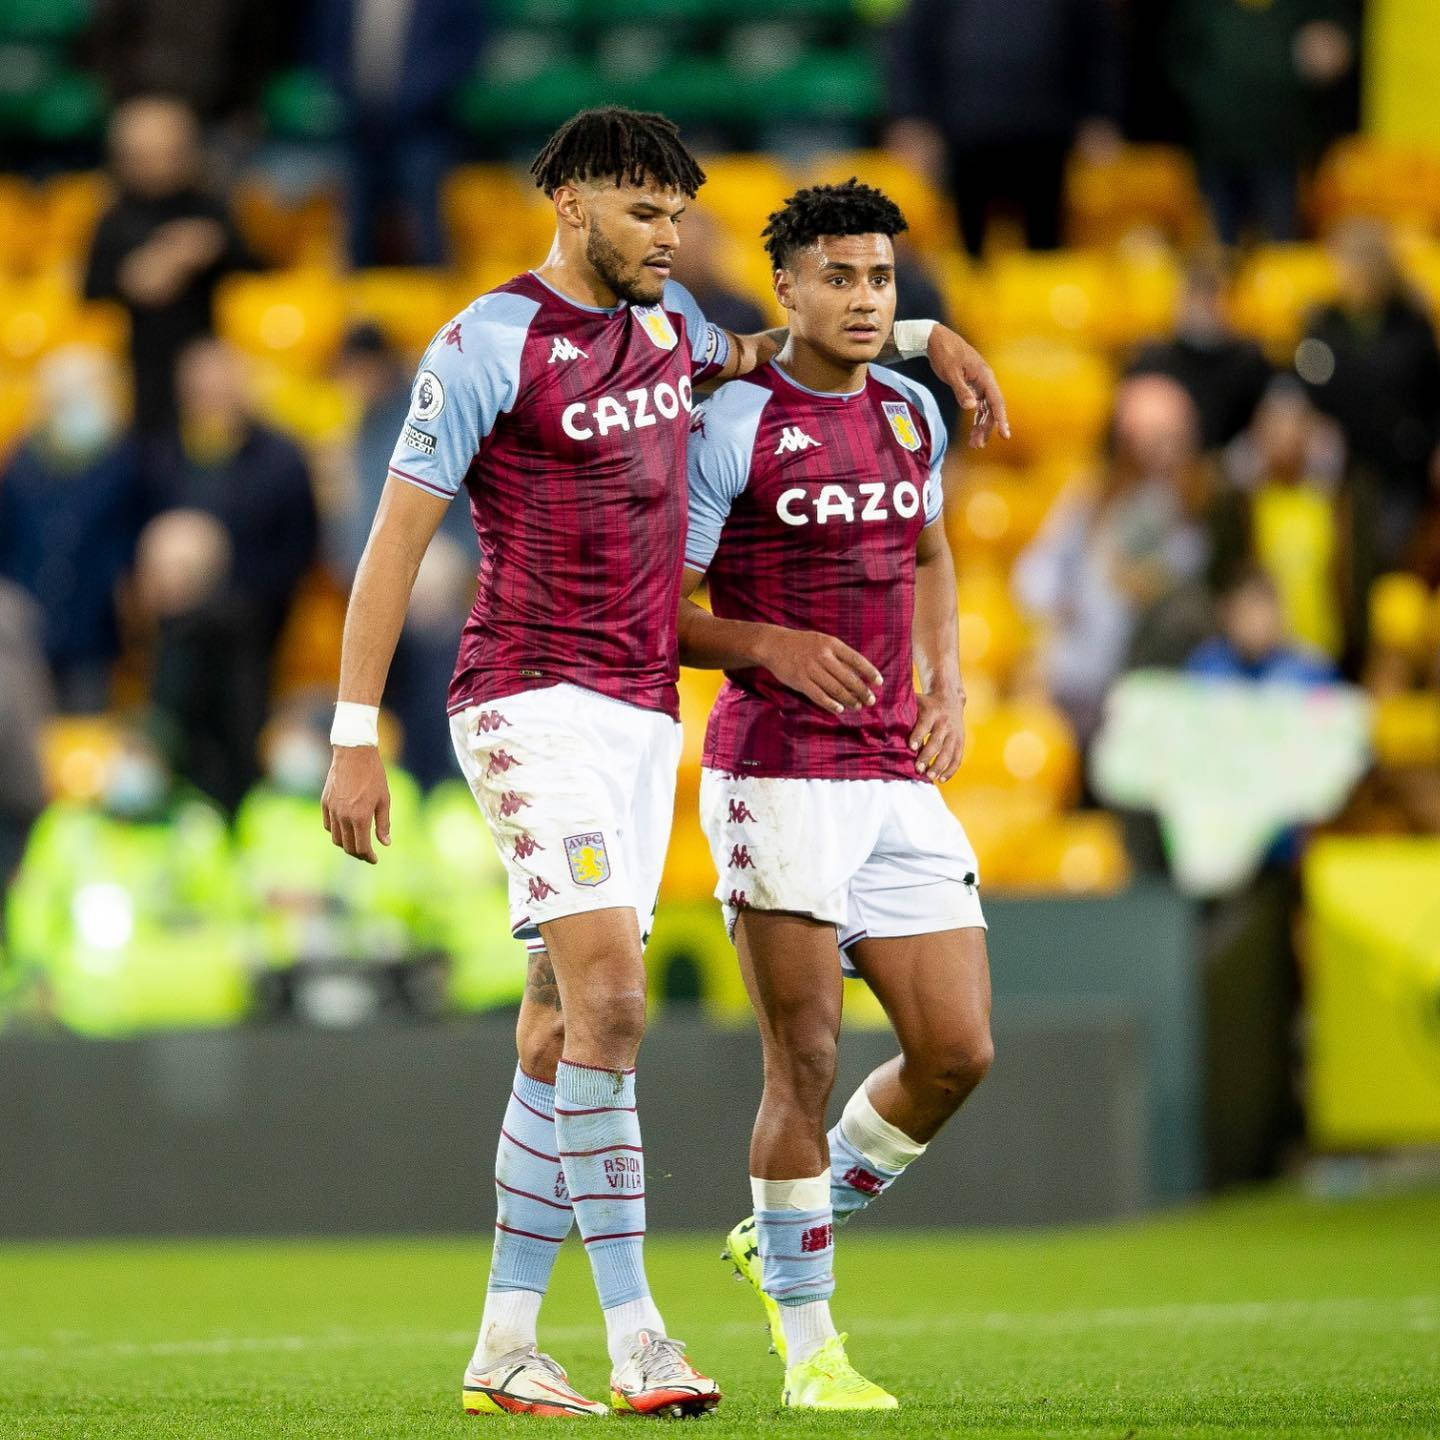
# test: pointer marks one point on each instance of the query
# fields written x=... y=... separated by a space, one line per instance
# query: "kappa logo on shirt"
x=793 y=438
x=564 y=349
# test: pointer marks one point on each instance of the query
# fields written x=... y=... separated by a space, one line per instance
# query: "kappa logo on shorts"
x=541 y=889
x=740 y=858
x=589 y=860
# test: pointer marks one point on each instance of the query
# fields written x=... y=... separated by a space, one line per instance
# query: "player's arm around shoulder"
x=938 y=736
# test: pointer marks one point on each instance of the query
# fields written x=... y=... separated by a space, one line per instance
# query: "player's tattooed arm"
x=953 y=358
x=356 y=794
x=823 y=669
x=938 y=737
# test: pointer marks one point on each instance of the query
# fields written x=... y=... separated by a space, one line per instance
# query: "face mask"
x=299 y=764
x=136 y=786
x=82 y=427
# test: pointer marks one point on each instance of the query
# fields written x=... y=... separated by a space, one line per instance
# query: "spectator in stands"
x=1283 y=473
x=993 y=102
x=214 y=54
x=1225 y=373
x=397 y=65
x=1108 y=554
x=700 y=269
x=162 y=247
x=1255 y=79
x=24 y=704
x=1253 y=642
x=254 y=480
x=70 y=509
x=209 y=670
x=1370 y=360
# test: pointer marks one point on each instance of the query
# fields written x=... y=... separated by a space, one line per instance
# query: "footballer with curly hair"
x=815 y=518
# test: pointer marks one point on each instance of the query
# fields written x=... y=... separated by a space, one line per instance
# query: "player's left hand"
x=962 y=367
x=938 y=738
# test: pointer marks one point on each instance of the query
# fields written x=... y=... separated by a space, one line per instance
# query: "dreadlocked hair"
x=848 y=209
x=629 y=147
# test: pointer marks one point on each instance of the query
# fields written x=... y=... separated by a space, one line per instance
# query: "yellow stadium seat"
x=37 y=313
x=689 y=869
x=1400 y=613
x=408 y=305
x=70 y=206
x=741 y=190
x=308 y=655
x=1144 y=187
x=294 y=317
x=698 y=689
x=1362 y=176
x=992 y=634
x=929 y=215
x=1080 y=854
x=75 y=755
x=1058 y=397
x=1060 y=295
x=17 y=225
x=16 y=399
x=1407 y=729
x=316 y=411
x=1147 y=293
x=1274 y=291
x=994 y=510
x=494 y=216
x=309 y=231
x=1025 y=744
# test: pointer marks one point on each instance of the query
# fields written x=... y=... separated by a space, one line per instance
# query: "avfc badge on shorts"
x=902 y=422
x=656 y=324
x=589 y=861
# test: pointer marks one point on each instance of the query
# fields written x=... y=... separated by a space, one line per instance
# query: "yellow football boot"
x=828 y=1381
x=742 y=1250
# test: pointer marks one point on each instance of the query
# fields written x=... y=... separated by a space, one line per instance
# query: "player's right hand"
x=356 y=796
x=823 y=669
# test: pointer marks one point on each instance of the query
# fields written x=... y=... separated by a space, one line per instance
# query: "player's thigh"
x=791 y=967
x=935 y=988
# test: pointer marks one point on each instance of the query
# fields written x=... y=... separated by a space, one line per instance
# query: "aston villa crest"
x=657 y=326
x=589 y=861
x=902 y=422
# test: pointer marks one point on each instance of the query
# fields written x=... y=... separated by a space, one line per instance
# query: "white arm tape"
x=912 y=337
x=355 y=724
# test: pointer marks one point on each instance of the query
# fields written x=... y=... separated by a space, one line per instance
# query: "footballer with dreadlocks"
x=561 y=401
x=815 y=516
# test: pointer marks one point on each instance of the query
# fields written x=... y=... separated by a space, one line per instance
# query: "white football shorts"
x=873 y=857
x=579 y=793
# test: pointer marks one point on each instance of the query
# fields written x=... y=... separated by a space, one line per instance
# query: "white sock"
x=623 y=1322
x=508 y=1324
x=807 y=1327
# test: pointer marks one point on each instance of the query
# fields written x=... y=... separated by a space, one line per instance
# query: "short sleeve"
x=468 y=377
x=722 y=441
x=709 y=344
x=939 y=444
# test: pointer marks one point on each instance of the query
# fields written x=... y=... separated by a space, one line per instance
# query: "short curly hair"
x=626 y=146
x=849 y=209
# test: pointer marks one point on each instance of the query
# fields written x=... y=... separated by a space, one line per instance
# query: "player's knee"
x=608 y=1027
x=960 y=1064
x=540 y=1040
x=805 y=1069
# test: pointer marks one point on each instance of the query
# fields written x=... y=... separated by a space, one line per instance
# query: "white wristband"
x=355 y=724
x=912 y=337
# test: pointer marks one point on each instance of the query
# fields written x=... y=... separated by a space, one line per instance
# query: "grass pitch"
x=1271 y=1315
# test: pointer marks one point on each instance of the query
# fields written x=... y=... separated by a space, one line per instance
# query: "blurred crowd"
x=1101 y=193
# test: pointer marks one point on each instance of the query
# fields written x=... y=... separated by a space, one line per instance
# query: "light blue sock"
x=598 y=1138
x=797 y=1249
x=855 y=1179
x=533 y=1214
